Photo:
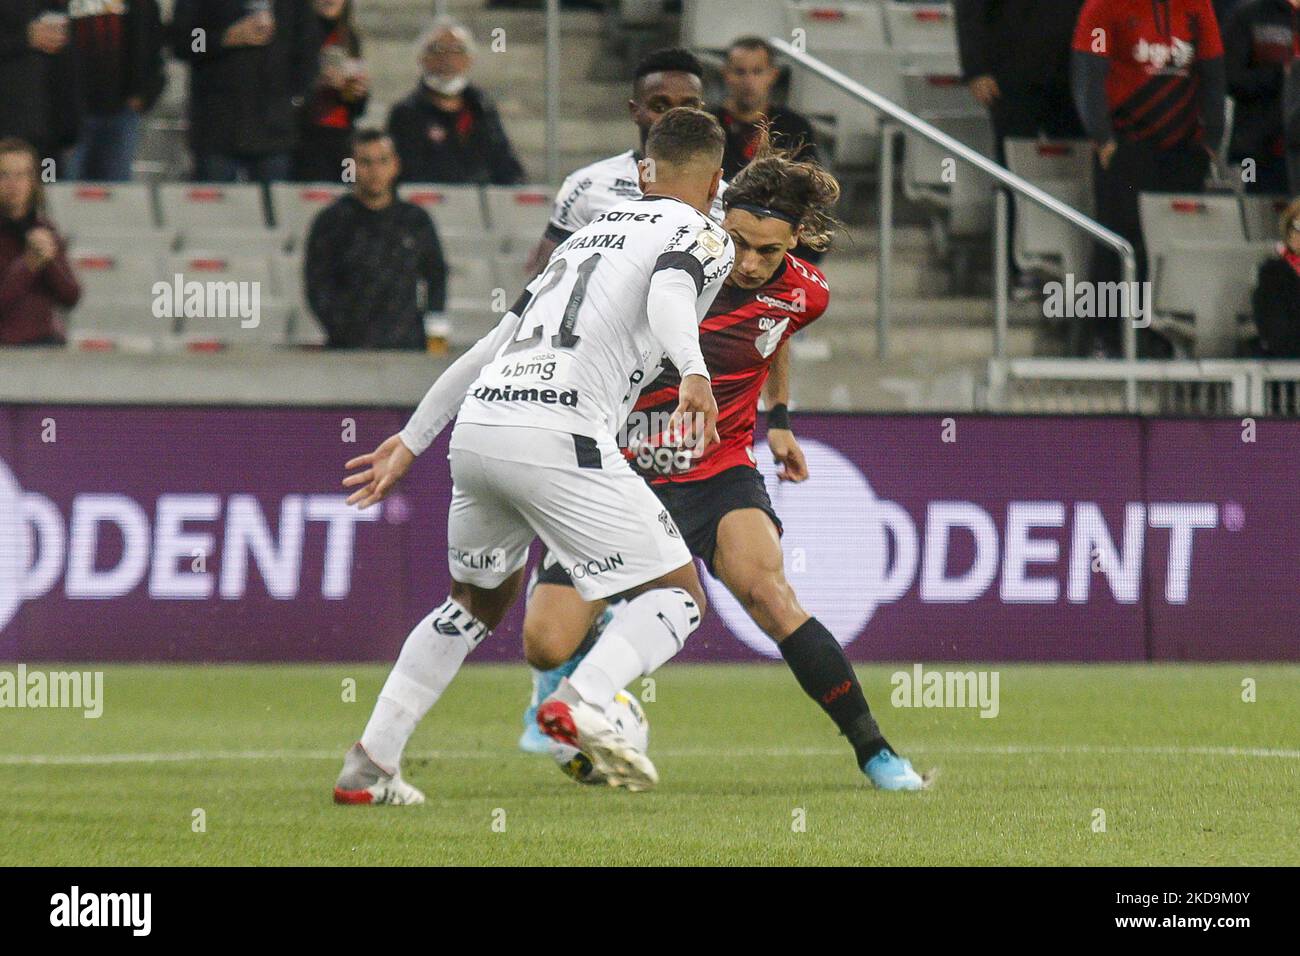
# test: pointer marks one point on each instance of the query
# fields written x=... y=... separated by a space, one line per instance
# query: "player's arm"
x=568 y=215
x=792 y=465
x=384 y=467
x=675 y=289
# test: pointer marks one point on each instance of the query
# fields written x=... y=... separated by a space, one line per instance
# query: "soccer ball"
x=625 y=713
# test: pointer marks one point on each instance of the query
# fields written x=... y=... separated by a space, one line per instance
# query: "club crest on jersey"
x=768 y=341
x=670 y=526
x=711 y=242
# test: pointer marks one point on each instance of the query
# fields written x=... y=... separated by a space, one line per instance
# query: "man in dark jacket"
x=447 y=130
x=119 y=46
x=374 y=266
x=1260 y=39
x=251 y=65
x=1015 y=57
x=35 y=278
x=38 y=83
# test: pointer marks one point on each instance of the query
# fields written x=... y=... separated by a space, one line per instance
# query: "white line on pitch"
x=670 y=753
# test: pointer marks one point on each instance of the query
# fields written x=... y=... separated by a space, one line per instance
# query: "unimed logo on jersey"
x=163 y=541
x=861 y=552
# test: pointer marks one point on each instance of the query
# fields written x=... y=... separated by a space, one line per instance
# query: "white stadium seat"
x=453 y=208
x=1261 y=215
x=851 y=38
x=922 y=28
x=713 y=24
x=1175 y=217
x=519 y=214
x=102 y=208
x=1203 y=289
x=107 y=274
x=295 y=205
x=1063 y=169
x=193 y=207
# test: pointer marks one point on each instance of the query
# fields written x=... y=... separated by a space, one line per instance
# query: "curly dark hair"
x=801 y=190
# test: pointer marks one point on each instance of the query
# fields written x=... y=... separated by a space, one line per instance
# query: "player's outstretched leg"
x=748 y=560
x=430 y=658
x=643 y=633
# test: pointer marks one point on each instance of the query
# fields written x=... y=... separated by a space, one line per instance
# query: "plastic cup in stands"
x=437 y=334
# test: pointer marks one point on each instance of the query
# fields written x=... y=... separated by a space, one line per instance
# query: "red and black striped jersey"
x=739 y=336
x=1153 y=47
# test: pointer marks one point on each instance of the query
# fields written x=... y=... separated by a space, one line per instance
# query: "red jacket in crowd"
x=28 y=297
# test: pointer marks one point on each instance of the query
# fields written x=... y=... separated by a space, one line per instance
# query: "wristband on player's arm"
x=778 y=416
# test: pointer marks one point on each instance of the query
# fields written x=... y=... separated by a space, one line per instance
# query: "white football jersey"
x=583 y=348
x=598 y=188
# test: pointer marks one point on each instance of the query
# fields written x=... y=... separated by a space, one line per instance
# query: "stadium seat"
x=1040 y=161
x=470 y=284
x=189 y=207
x=932 y=88
x=1174 y=217
x=851 y=38
x=295 y=205
x=126 y=324
x=1063 y=169
x=1202 y=292
x=1261 y=215
x=1047 y=243
x=154 y=242
x=272 y=328
x=518 y=214
x=102 y=208
x=453 y=208
x=922 y=29
x=106 y=274
x=713 y=24
x=226 y=218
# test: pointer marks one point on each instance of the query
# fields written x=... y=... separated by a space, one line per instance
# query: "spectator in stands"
x=119 y=47
x=38 y=88
x=1260 y=39
x=35 y=277
x=750 y=74
x=1148 y=81
x=252 y=62
x=447 y=130
x=374 y=266
x=1015 y=59
x=338 y=98
x=1277 y=292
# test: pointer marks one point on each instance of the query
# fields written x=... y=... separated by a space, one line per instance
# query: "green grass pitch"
x=1185 y=771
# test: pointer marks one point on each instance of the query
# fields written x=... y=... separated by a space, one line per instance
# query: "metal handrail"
x=1008 y=179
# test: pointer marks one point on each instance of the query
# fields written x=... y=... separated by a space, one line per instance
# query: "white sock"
x=644 y=633
x=430 y=658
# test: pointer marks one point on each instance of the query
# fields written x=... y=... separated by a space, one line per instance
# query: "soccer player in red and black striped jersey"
x=718 y=499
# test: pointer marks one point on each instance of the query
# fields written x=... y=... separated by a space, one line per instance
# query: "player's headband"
x=764 y=211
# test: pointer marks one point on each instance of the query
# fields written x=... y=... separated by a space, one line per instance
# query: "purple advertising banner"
x=160 y=534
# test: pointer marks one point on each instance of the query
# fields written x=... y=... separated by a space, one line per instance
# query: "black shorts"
x=698 y=507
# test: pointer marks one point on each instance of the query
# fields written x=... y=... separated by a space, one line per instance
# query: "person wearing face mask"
x=447 y=130
x=338 y=99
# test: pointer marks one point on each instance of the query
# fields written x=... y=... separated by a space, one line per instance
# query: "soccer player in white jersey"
x=663 y=80
x=533 y=454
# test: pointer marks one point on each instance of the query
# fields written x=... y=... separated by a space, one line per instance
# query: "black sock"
x=819 y=664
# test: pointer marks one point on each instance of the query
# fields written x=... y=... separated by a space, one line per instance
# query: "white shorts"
x=577 y=494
